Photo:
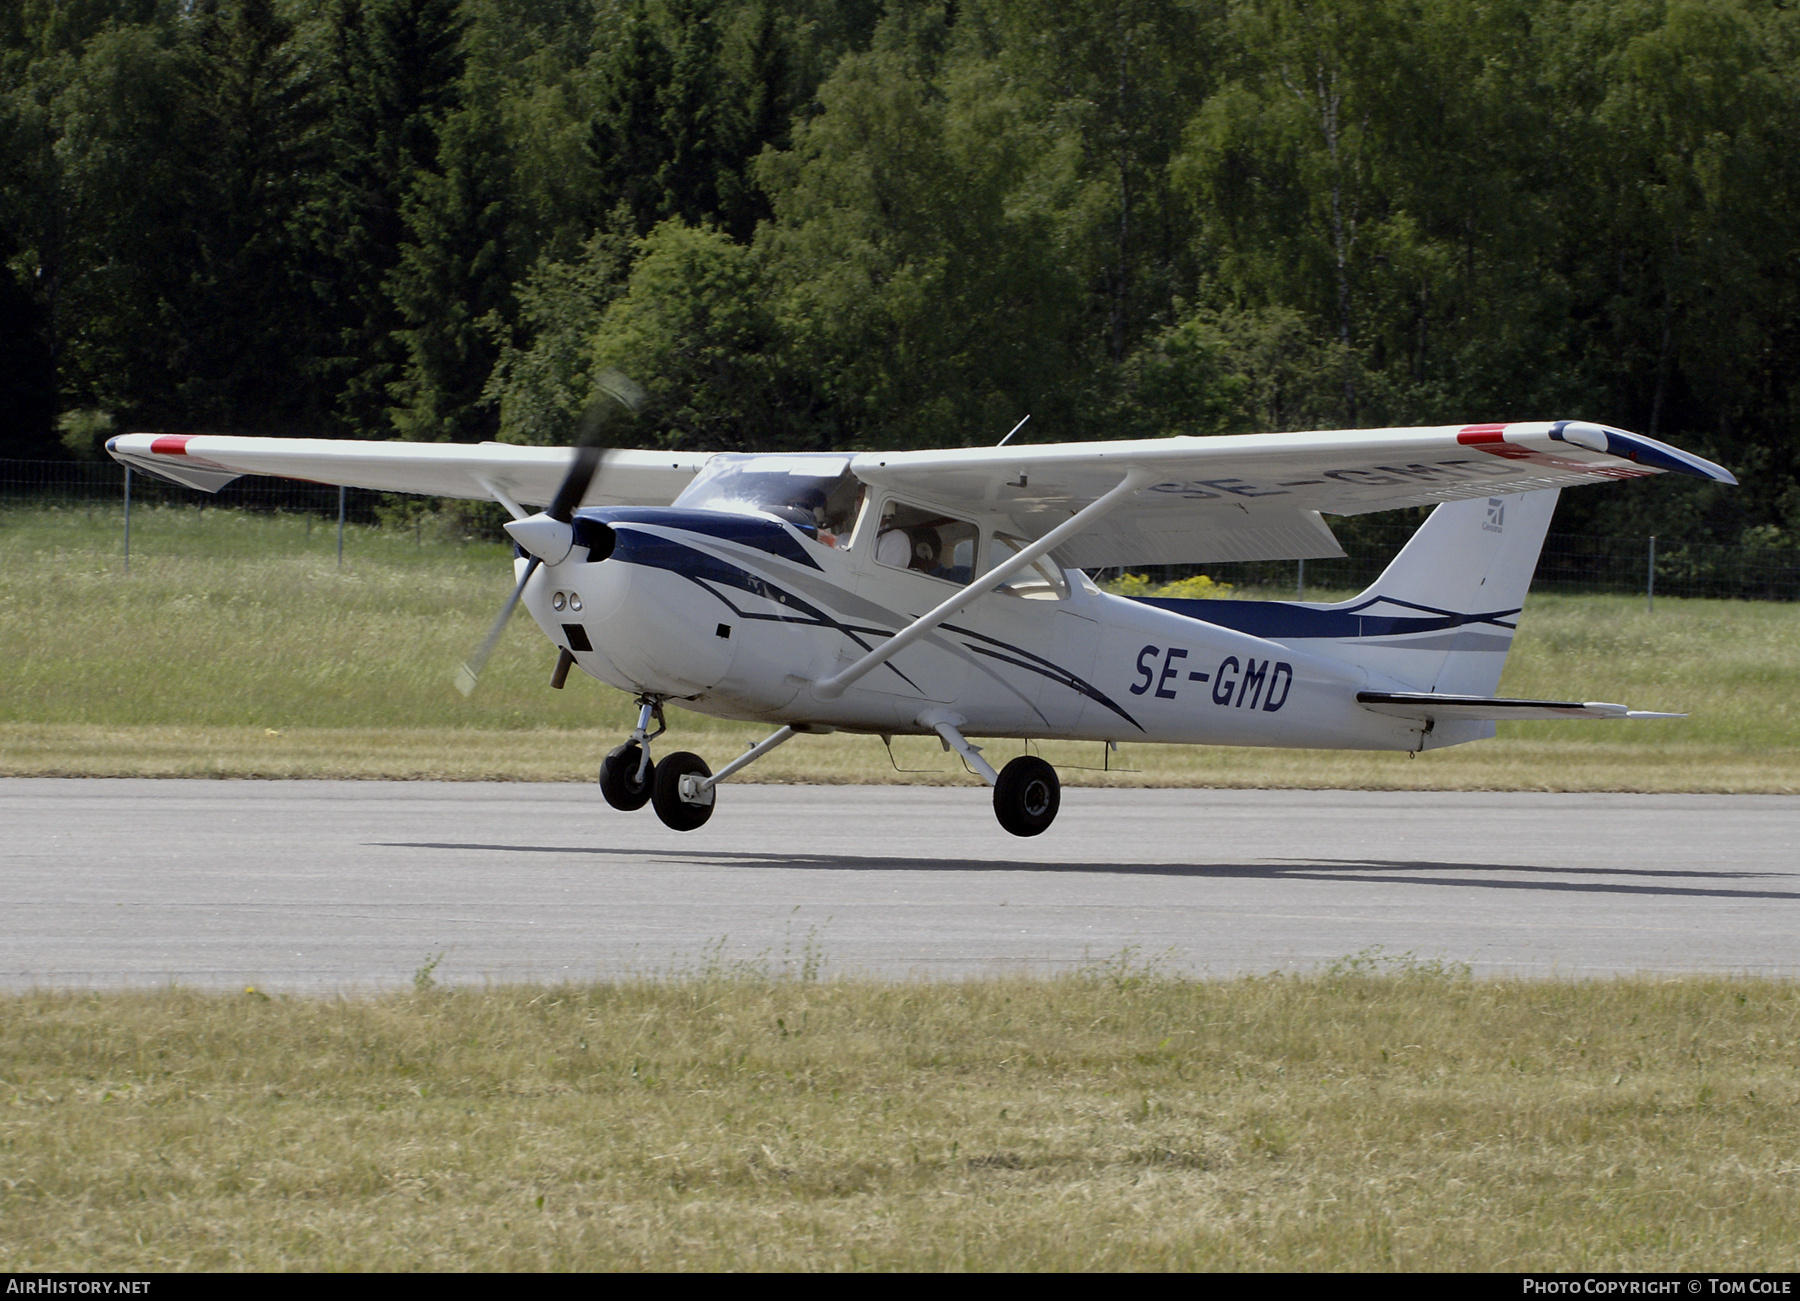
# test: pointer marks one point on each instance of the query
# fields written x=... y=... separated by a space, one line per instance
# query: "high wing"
x=529 y=475
x=1234 y=497
x=1259 y=496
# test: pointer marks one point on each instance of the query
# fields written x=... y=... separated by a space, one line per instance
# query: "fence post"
x=1300 y=582
x=128 y=519
x=341 y=491
x=1650 y=580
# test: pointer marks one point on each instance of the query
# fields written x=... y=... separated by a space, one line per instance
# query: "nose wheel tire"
x=681 y=810
x=1027 y=796
x=619 y=778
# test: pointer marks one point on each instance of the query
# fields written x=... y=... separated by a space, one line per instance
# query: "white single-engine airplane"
x=913 y=593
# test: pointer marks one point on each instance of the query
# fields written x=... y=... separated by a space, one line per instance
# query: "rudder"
x=1442 y=615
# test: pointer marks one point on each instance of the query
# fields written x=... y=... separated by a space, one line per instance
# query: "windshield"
x=814 y=491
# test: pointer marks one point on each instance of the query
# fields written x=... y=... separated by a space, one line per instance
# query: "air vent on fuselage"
x=597 y=536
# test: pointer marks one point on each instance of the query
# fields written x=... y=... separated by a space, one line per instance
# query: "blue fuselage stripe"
x=655 y=551
x=1279 y=621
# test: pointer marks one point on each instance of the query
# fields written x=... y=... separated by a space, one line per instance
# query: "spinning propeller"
x=550 y=534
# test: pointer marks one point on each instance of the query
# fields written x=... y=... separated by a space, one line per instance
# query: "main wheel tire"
x=619 y=778
x=1027 y=796
x=677 y=813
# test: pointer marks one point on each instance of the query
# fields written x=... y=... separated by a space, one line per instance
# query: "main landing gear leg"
x=1026 y=791
x=684 y=784
x=628 y=774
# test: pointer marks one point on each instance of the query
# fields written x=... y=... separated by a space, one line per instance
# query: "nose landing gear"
x=680 y=788
x=626 y=779
x=628 y=774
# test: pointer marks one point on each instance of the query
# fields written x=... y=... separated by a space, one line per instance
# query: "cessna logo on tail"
x=1496 y=516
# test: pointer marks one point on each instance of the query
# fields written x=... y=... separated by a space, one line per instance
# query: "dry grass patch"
x=1370 y=1118
x=1571 y=762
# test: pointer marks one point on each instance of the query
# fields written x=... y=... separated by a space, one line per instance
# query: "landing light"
x=557 y=601
x=575 y=601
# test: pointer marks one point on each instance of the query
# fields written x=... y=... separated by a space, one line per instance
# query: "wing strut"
x=1134 y=481
x=499 y=494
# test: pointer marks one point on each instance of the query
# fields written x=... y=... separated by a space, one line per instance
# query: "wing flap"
x=1154 y=536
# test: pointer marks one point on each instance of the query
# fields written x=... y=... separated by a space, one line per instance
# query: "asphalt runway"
x=324 y=887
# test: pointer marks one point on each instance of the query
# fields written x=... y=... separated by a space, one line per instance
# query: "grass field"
x=1383 y=1115
x=1377 y=1117
x=237 y=647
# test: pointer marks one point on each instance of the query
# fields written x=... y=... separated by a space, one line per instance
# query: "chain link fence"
x=1644 y=566
x=93 y=495
x=148 y=516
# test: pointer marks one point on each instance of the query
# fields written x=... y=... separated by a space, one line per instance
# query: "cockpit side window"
x=815 y=493
x=926 y=540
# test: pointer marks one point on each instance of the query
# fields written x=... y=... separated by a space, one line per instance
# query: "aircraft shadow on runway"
x=1372 y=871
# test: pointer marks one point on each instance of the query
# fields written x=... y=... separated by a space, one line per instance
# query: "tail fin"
x=1442 y=615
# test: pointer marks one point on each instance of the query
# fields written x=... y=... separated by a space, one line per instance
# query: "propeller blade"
x=614 y=395
x=470 y=672
x=575 y=484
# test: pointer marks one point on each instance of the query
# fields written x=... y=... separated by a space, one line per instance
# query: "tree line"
x=825 y=224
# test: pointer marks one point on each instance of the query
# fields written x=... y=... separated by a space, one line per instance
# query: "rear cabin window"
x=927 y=541
x=1041 y=580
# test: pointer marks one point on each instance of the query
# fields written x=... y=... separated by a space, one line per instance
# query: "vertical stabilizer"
x=1441 y=616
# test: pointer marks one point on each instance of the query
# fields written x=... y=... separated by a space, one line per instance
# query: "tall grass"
x=1381 y=1116
x=237 y=621
x=236 y=646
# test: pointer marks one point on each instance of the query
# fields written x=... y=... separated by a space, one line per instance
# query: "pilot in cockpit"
x=834 y=512
x=910 y=548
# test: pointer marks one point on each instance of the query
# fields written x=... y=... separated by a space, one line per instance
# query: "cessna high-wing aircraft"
x=943 y=592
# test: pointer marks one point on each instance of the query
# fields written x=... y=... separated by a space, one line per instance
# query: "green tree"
x=918 y=304
x=240 y=300
x=1110 y=86
x=542 y=379
x=1694 y=307
x=692 y=328
x=687 y=96
x=625 y=138
x=110 y=240
x=453 y=285
x=27 y=371
x=397 y=71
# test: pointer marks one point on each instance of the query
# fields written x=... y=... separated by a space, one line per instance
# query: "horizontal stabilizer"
x=1431 y=707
